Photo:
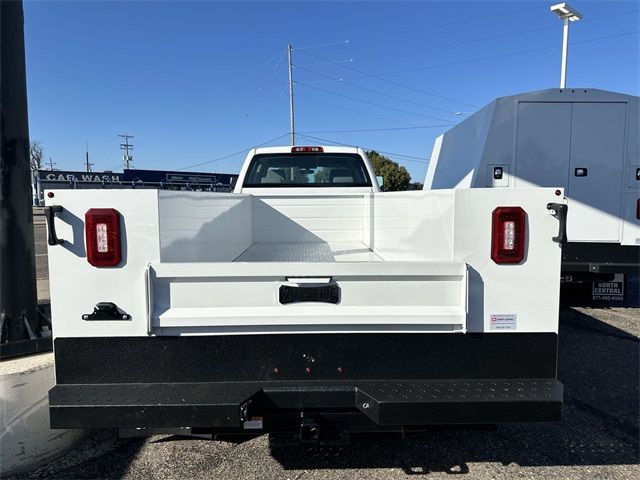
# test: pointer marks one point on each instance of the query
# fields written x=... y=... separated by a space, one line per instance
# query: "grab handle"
x=49 y=215
x=560 y=212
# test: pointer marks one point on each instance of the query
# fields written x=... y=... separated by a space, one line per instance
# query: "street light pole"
x=567 y=14
x=292 y=126
x=565 y=51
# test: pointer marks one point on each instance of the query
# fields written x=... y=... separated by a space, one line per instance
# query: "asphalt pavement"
x=597 y=438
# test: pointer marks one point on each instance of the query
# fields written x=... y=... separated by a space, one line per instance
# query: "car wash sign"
x=81 y=177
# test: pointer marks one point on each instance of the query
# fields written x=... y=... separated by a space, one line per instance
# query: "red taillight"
x=102 y=232
x=508 y=232
x=307 y=150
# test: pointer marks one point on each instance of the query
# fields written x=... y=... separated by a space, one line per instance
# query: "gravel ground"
x=597 y=437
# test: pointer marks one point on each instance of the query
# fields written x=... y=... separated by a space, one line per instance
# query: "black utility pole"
x=127 y=159
x=18 y=313
x=87 y=164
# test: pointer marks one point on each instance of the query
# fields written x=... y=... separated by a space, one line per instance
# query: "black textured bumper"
x=390 y=379
x=211 y=405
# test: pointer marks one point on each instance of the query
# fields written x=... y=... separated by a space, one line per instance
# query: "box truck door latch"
x=559 y=211
x=50 y=215
x=106 y=311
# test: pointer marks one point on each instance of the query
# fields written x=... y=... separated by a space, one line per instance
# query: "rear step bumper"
x=227 y=405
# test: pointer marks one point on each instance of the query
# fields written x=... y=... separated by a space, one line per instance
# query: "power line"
x=377 y=92
x=274 y=70
x=392 y=82
x=233 y=154
x=493 y=57
x=408 y=158
x=254 y=70
x=446 y=24
x=350 y=110
x=322 y=45
x=372 y=103
x=455 y=44
x=481 y=39
x=415 y=29
x=415 y=127
x=348 y=60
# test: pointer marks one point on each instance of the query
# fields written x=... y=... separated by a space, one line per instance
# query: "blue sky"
x=197 y=81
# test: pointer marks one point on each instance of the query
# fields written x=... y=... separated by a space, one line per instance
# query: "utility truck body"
x=584 y=140
x=307 y=310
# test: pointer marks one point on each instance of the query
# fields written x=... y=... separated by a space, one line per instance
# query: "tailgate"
x=231 y=297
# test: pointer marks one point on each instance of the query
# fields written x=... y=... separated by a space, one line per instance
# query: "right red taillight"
x=508 y=233
x=102 y=231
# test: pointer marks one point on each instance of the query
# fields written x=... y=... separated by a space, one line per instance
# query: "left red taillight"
x=102 y=232
x=508 y=234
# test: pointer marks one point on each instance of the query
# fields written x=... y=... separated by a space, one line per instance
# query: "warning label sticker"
x=505 y=321
x=613 y=290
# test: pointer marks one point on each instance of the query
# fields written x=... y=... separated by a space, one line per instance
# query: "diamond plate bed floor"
x=308 y=252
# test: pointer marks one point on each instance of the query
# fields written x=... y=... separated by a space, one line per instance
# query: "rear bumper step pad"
x=224 y=405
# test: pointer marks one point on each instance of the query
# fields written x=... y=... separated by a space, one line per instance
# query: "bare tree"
x=35 y=155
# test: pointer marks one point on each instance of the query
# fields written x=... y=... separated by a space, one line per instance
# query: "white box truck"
x=306 y=303
x=584 y=140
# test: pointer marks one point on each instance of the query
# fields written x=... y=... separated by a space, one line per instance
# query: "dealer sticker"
x=613 y=290
x=505 y=321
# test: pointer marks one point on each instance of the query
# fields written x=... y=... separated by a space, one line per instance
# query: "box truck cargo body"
x=583 y=140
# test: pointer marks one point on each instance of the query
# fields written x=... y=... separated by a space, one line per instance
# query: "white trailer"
x=306 y=303
x=583 y=140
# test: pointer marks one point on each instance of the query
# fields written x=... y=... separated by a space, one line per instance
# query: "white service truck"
x=306 y=303
x=584 y=140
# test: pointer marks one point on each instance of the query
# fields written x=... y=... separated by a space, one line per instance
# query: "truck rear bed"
x=425 y=327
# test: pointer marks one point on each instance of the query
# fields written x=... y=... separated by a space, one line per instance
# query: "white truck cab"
x=307 y=303
x=305 y=169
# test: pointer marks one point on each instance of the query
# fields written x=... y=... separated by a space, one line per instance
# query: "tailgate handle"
x=559 y=211
x=323 y=293
x=49 y=215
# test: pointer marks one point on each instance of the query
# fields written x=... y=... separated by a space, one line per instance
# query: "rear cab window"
x=307 y=170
